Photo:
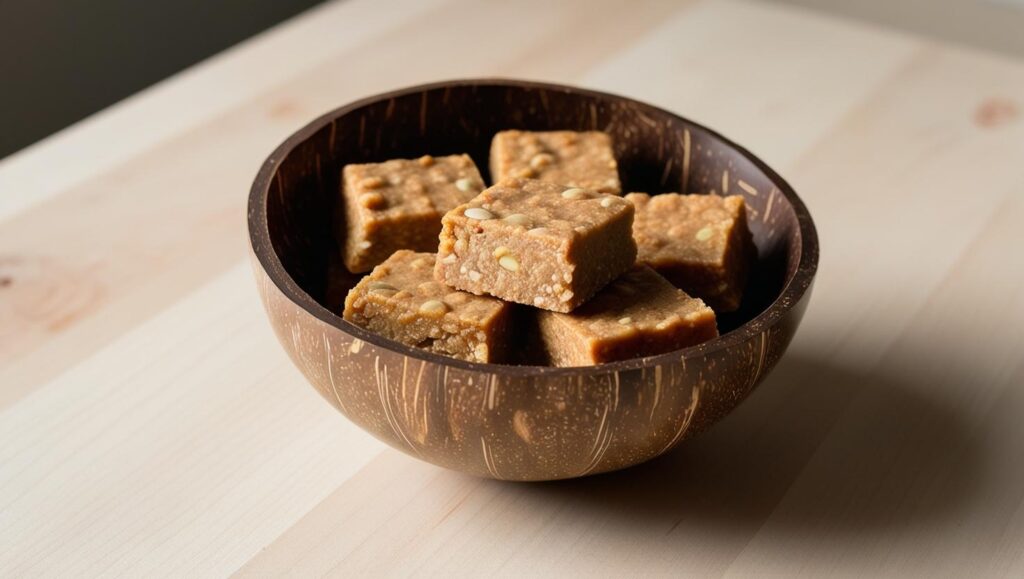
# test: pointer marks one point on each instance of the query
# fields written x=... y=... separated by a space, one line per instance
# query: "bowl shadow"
x=894 y=457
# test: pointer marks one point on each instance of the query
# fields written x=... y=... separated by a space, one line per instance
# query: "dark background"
x=61 y=60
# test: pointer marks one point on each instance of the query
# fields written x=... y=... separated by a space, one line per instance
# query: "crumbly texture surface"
x=402 y=301
x=574 y=159
x=536 y=243
x=700 y=243
x=398 y=204
x=638 y=314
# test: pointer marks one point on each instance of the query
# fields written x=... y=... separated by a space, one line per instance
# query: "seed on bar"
x=372 y=200
x=379 y=287
x=541 y=160
x=518 y=219
x=478 y=213
x=433 y=307
x=372 y=183
x=508 y=262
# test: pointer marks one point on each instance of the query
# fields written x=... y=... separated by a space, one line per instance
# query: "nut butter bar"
x=565 y=157
x=700 y=243
x=398 y=204
x=638 y=314
x=401 y=300
x=536 y=243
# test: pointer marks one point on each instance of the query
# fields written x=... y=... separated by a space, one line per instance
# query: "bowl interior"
x=657 y=152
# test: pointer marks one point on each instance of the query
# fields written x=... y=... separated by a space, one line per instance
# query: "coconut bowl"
x=504 y=421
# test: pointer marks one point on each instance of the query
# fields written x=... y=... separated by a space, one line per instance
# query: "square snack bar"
x=536 y=243
x=402 y=301
x=700 y=243
x=638 y=314
x=574 y=159
x=398 y=204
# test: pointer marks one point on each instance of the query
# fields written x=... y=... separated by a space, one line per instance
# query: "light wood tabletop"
x=151 y=425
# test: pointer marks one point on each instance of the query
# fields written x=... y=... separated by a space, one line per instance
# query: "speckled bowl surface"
x=519 y=422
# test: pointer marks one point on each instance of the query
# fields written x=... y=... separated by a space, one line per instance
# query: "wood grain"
x=152 y=425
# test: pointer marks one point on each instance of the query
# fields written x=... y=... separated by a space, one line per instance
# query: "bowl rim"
x=791 y=294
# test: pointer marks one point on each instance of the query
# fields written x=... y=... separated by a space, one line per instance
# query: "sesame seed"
x=433 y=307
x=518 y=219
x=478 y=213
x=372 y=200
x=541 y=160
x=372 y=183
x=508 y=262
x=380 y=287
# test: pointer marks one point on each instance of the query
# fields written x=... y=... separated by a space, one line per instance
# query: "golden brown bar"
x=537 y=243
x=401 y=301
x=398 y=204
x=574 y=159
x=700 y=243
x=639 y=314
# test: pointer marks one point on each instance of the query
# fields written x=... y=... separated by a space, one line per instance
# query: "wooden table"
x=151 y=425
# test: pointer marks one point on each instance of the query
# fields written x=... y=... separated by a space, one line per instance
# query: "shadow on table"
x=896 y=455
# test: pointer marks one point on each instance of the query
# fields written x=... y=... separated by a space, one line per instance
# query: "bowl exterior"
x=512 y=426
